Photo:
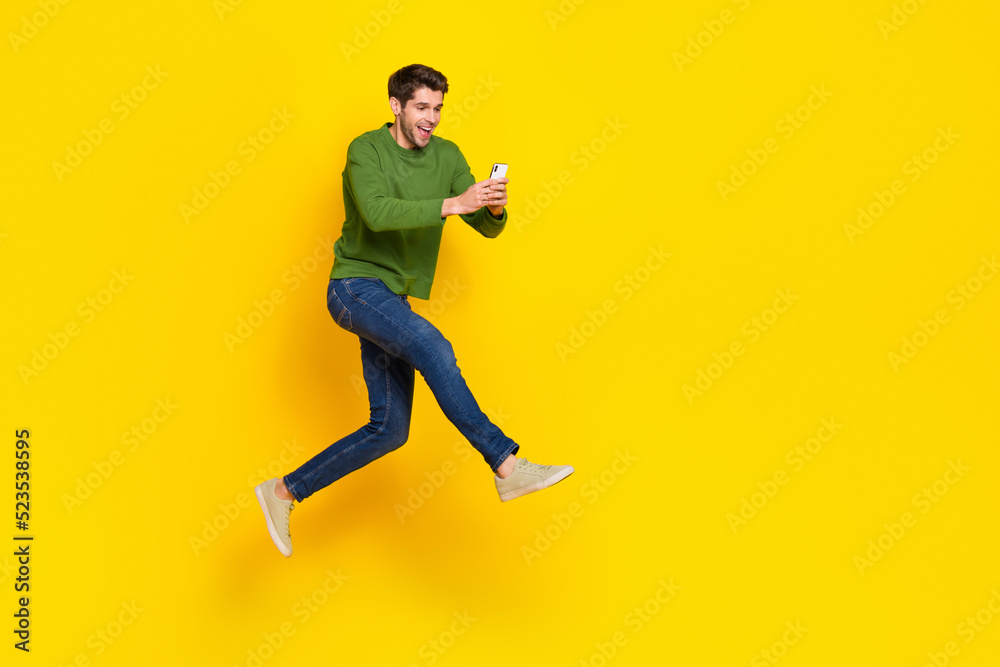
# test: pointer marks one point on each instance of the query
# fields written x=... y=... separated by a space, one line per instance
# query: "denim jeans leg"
x=390 y=383
x=386 y=319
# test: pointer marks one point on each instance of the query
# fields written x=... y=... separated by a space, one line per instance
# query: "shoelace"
x=288 y=522
x=528 y=466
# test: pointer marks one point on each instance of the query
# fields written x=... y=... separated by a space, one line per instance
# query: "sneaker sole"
x=544 y=484
x=270 y=524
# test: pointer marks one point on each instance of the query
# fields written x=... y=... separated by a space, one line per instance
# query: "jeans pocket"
x=356 y=286
x=337 y=309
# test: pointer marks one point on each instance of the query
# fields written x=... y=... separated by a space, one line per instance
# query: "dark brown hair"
x=405 y=82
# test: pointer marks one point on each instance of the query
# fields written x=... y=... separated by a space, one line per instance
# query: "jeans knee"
x=442 y=351
x=397 y=436
x=392 y=434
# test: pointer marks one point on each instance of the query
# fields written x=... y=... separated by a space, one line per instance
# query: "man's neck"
x=395 y=135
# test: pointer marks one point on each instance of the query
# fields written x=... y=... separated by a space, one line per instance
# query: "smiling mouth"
x=425 y=132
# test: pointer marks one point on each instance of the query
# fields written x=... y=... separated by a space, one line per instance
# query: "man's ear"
x=394 y=106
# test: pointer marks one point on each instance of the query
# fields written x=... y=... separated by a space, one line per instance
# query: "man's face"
x=419 y=117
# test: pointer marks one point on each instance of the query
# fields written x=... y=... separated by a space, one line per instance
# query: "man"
x=400 y=184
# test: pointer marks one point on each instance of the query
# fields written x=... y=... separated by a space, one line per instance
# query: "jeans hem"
x=291 y=489
x=514 y=447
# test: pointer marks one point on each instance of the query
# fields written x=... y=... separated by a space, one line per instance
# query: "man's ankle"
x=507 y=467
x=281 y=491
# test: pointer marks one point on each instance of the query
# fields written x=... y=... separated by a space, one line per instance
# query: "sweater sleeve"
x=481 y=220
x=371 y=195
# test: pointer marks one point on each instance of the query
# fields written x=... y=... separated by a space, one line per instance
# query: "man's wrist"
x=495 y=216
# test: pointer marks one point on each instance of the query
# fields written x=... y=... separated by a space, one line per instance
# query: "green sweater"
x=392 y=201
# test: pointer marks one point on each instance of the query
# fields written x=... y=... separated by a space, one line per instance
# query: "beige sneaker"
x=276 y=512
x=529 y=477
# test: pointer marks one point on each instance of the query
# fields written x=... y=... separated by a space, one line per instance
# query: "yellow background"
x=558 y=74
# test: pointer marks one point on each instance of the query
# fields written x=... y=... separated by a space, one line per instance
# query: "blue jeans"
x=394 y=342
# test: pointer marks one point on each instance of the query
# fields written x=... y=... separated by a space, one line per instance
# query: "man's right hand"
x=475 y=197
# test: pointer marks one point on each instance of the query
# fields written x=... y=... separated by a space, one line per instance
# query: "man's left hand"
x=497 y=196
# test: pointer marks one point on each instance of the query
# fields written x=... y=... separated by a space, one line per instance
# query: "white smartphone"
x=499 y=170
